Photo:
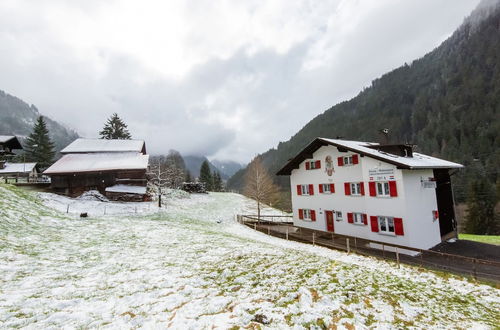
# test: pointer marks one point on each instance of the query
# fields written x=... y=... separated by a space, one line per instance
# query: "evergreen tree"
x=217 y=182
x=38 y=146
x=115 y=128
x=206 y=176
x=481 y=218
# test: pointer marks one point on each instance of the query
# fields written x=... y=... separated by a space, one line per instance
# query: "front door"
x=329 y=220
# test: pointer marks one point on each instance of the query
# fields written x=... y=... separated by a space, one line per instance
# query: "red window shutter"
x=374 y=223
x=308 y=165
x=317 y=164
x=332 y=188
x=365 y=219
x=320 y=188
x=340 y=161
x=393 y=189
x=299 y=189
x=355 y=159
x=311 y=189
x=350 y=218
x=435 y=215
x=362 y=186
x=313 y=215
x=372 y=188
x=398 y=226
x=347 y=188
x=301 y=214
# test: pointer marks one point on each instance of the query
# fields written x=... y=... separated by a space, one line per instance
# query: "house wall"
x=413 y=204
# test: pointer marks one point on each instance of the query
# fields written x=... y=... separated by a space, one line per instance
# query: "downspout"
x=455 y=222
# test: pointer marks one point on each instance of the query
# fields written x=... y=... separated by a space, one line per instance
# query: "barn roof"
x=97 y=162
x=17 y=168
x=370 y=149
x=82 y=145
x=12 y=140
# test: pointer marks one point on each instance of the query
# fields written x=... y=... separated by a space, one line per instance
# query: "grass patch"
x=489 y=239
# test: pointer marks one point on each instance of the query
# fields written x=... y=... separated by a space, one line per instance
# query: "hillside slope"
x=447 y=103
x=180 y=268
x=17 y=118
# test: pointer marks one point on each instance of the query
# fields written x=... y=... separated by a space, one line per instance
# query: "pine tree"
x=206 y=176
x=481 y=218
x=38 y=146
x=115 y=128
x=217 y=181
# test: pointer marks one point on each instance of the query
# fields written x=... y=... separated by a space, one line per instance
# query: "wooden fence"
x=282 y=227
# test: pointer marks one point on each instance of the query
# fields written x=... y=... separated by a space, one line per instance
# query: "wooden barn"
x=95 y=164
x=27 y=172
x=7 y=144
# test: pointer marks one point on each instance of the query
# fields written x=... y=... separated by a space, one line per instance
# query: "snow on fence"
x=282 y=227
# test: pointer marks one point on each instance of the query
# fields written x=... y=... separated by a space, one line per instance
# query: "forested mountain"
x=17 y=118
x=193 y=164
x=447 y=103
x=227 y=168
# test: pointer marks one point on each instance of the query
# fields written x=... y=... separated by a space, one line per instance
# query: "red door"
x=329 y=220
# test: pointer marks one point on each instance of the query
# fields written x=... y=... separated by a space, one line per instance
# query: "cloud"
x=225 y=79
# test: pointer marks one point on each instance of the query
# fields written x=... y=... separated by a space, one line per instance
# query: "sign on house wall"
x=381 y=174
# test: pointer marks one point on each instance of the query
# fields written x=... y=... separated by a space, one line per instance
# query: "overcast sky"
x=226 y=79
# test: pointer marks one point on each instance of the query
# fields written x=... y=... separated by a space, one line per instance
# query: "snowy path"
x=182 y=269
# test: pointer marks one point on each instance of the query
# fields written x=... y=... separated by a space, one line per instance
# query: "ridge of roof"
x=84 y=145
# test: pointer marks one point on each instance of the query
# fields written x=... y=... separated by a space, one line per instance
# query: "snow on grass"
x=192 y=266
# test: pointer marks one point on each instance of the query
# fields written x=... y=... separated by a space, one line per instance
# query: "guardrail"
x=276 y=225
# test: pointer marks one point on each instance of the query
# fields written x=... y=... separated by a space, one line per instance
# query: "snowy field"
x=191 y=266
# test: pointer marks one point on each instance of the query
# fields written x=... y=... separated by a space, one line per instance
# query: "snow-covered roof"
x=415 y=161
x=81 y=145
x=5 y=138
x=17 y=168
x=14 y=142
x=123 y=188
x=96 y=162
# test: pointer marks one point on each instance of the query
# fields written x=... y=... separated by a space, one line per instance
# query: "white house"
x=384 y=193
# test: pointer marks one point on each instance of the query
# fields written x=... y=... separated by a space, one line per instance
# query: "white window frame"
x=355 y=188
x=383 y=189
x=338 y=216
x=357 y=218
x=304 y=188
x=347 y=160
x=384 y=221
x=306 y=214
x=326 y=188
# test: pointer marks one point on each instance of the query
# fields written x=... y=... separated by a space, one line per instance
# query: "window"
x=348 y=160
x=338 y=215
x=326 y=188
x=358 y=218
x=313 y=164
x=307 y=214
x=386 y=225
x=383 y=189
x=305 y=189
x=355 y=188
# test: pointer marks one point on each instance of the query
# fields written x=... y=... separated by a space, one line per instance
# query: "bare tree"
x=259 y=185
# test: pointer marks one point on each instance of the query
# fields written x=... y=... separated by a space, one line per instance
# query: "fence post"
x=355 y=245
x=104 y=209
x=287 y=233
x=268 y=229
x=314 y=237
x=67 y=209
x=421 y=259
x=397 y=257
x=383 y=251
x=255 y=226
x=348 y=247
x=474 y=271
